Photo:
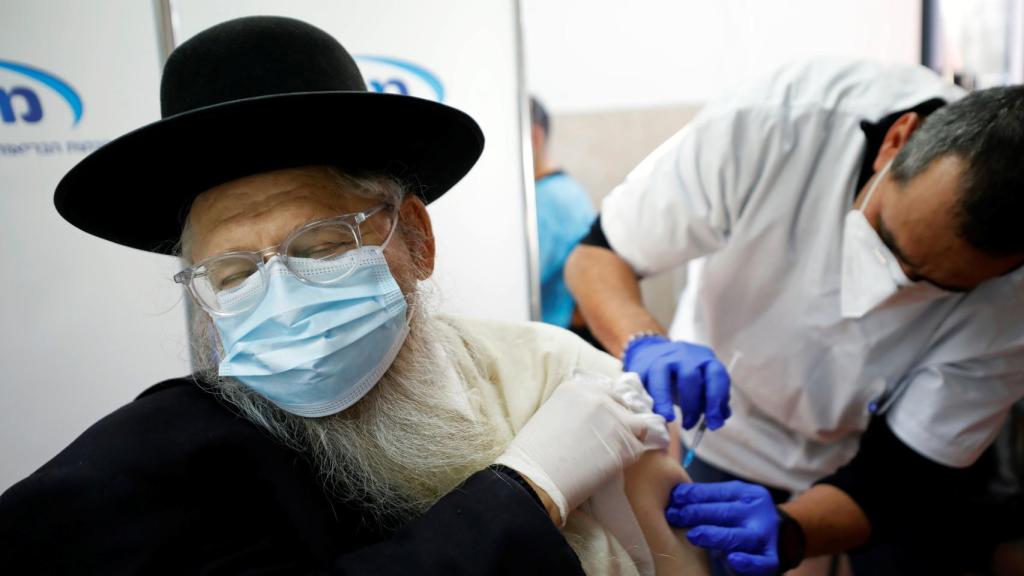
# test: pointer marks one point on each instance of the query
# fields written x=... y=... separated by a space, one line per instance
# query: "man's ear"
x=413 y=213
x=896 y=138
x=537 y=136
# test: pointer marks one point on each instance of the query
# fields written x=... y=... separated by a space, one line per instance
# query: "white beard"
x=396 y=451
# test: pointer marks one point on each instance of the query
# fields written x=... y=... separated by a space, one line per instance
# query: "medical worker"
x=855 y=309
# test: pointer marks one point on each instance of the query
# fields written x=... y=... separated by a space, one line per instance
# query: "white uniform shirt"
x=759 y=185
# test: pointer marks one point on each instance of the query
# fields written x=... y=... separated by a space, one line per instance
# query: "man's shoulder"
x=559 y=182
x=183 y=385
x=536 y=341
x=516 y=366
x=864 y=88
x=165 y=426
x=563 y=194
x=182 y=405
x=507 y=329
x=149 y=487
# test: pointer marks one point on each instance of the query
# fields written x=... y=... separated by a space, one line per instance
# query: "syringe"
x=702 y=425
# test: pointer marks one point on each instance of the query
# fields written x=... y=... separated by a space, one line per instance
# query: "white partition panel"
x=87 y=325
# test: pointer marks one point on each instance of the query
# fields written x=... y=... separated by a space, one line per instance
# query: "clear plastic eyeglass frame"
x=199 y=273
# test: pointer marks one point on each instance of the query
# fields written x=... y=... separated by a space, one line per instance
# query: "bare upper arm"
x=648 y=485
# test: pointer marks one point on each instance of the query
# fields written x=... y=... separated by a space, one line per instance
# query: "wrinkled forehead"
x=260 y=192
x=257 y=211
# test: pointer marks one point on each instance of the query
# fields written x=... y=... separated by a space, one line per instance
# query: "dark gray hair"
x=985 y=129
x=539 y=116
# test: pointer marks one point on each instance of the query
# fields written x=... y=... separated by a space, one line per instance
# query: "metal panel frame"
x=529 y=192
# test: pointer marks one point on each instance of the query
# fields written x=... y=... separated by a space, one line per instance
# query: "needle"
x=702 y=426
x=696 y=440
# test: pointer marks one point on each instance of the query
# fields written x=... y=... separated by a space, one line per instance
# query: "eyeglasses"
x=235 y=282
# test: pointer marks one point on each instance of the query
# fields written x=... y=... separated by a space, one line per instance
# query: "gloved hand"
x=737 y=518
x=630 y=392
x=581 y=437
x=681 y=373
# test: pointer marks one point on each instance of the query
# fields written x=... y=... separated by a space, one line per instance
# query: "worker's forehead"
x=921 y=221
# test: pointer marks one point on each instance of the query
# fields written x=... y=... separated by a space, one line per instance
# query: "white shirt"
x=759 y=185
x=504 y=371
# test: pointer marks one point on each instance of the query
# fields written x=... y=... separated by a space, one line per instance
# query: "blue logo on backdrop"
x=21 y=103
x=394 y=76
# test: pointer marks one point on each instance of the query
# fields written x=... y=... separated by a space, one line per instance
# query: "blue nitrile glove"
x=681 y=373
x=737 y=518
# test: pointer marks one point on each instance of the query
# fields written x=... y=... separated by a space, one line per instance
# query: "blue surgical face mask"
x=314 y=350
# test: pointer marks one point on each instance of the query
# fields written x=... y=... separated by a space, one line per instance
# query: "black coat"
x=176 y=483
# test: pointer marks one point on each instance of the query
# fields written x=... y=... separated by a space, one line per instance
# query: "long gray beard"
x=395 y=452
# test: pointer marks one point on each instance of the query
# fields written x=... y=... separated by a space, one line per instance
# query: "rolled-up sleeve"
x=951 y=413
x=681 y=202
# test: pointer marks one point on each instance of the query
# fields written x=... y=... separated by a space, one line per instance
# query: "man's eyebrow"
x=890 y=242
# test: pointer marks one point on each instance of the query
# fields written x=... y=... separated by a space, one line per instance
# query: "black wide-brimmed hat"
x=253 y=95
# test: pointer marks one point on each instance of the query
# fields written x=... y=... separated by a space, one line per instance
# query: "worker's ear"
x=896 y=138
x=420 y=237
x=537 y=137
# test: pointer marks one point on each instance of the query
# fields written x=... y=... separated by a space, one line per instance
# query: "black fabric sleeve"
x=518 y=478
x=489 y=525
x=596 y=235
x=174 y=483
x=907 y=497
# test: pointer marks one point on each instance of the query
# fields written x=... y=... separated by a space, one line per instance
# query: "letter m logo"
x=21 y=103
x=30 y=111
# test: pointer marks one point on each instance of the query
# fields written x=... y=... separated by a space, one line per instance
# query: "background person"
x=564 y=214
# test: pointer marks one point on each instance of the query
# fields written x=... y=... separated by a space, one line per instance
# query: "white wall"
x=585 y=55
x=85 y=325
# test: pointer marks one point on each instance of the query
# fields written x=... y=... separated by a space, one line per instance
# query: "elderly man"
x=334 y=425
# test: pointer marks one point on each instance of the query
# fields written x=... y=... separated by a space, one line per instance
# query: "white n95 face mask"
x=871 y=273
x=314 y=350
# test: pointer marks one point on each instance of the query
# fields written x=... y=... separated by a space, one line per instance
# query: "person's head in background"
x=540 y=127
x=949 y=207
